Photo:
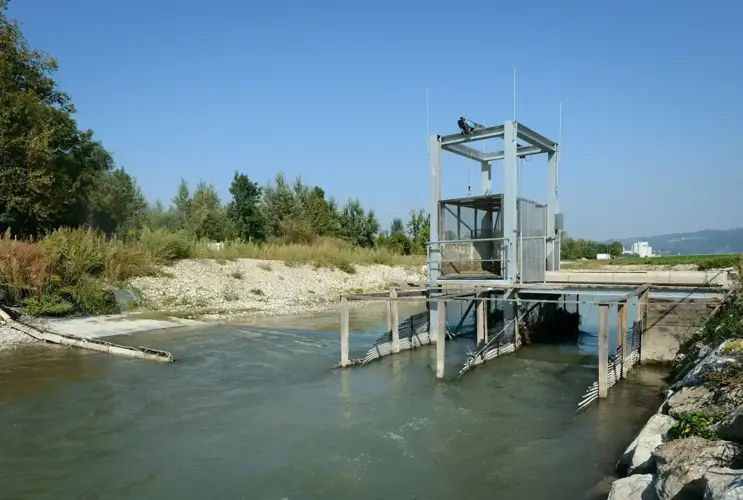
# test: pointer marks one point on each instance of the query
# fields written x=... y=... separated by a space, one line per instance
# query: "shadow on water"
x=253 y=411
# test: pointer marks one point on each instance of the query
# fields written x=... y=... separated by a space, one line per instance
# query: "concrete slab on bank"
x=117 y=324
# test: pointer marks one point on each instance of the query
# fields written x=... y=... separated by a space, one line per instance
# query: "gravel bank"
x=244 y=288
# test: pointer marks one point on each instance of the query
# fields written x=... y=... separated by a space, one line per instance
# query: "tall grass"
x=76 y=270
x=327 y=252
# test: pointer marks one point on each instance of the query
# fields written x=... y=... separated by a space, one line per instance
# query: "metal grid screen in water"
x=532 y=244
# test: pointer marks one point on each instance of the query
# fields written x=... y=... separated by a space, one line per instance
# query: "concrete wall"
x=670 y=324
x=468 y=251
x=682 y=278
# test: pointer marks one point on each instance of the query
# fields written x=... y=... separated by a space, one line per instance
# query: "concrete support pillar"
x=395 y=320
x=345 y=320
x=440 y=339
x=603 y=349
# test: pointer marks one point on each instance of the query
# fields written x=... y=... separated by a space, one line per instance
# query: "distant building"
x=603 y=256
x=642 y=248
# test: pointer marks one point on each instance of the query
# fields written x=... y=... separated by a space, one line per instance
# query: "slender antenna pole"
x=514 y=93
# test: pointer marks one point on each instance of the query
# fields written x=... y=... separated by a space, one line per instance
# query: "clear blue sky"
x=335 y=91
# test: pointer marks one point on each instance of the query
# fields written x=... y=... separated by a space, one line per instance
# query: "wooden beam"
x=622 y=335
x=603 y=349
x=344 y=332
x=395 y=322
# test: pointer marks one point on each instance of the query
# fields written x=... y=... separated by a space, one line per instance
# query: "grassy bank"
x=74 y=271
x=703 y=262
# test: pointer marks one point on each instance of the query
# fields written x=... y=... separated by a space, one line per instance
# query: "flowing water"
x=253 y=411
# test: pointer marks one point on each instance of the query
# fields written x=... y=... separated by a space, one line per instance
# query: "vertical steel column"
x=603 y=349
x=480 y=319
x=553 y=207
x=440 y=339
x=510 y=193
x=434 y=250
x=344 y=332
x=395 y=320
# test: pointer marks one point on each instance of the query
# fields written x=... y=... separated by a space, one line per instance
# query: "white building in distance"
x=642 y=248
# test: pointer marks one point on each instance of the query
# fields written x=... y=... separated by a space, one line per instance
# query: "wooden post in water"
x=395 y=319
x=440 y=339
x=480 y=320
x=643 y=304
x=344 y=332
x=622 y=334
x=603 y=349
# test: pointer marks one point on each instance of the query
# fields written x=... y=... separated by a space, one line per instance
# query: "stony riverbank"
x=692 y=448
x=247 y=288
x=221 y=290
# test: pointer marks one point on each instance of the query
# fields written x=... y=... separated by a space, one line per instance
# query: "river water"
x=253 y=411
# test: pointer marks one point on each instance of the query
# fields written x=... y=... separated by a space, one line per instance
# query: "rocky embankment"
x=243 y=288
x=692 y=448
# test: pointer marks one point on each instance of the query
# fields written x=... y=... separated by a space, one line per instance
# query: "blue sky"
x=335 y=92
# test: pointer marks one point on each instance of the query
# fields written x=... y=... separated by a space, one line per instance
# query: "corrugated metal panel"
x=532 y=245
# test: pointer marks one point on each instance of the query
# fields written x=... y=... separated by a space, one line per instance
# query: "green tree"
x=244 y=210
x=181 y=206
x=358 y=227
x=419 y=229
x=277 y=206
x=47 y=166
x=397 y=227
x=117 y=204
x=207 y=218
x=616 y=249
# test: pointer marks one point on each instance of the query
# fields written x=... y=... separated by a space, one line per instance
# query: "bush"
x=165 y=246
x=75 y=253
x=49 y=305
x=346 y=267
x=694 y=424
x=93 y=297
x=24 y=268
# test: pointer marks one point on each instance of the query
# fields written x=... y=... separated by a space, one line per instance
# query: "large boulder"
x=683 y=463
x=716 y=361
x=638 y=457
x=731 y=429
x=689 y=399
x=637 y=487
x=719 y=482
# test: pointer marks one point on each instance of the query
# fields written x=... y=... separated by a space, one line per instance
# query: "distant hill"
x=701 y=242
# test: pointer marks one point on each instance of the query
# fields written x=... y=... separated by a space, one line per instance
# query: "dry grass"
x=24 y=268
x=325 y=253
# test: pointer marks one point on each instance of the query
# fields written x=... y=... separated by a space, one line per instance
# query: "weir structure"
x=499 y=254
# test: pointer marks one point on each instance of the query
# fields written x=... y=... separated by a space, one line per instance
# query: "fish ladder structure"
x=495 y=256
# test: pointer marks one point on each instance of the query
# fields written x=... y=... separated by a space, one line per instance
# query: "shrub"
x=165 y=246
x=346 y=267
x=92 y=296
x=258 y=292
x=237 y=274
x=694 y=424
x=75 y=253
x=24 y=268
x=49 y=305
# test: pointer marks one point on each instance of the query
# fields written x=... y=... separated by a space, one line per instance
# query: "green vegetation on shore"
x=703 y=262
